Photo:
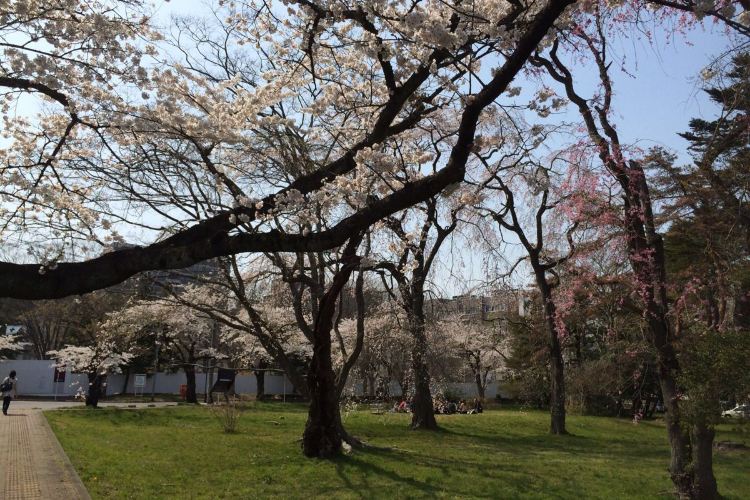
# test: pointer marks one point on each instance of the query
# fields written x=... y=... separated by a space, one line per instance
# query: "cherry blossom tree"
x=283 y=115
x=386 y=353
x=65 y=168
x=417 y=237
x=11 y=343
x=245 y=296
x=691 y=466
x=545 y=202
x=182 y=334
x=97 y=361
x=341 y=80
x=51 y=324
x=255 y=305
x=481 y=346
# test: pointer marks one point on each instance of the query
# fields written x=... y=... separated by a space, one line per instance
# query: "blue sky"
x=664 y=91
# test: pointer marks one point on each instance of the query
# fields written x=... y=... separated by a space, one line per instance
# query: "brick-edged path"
x=33 y=465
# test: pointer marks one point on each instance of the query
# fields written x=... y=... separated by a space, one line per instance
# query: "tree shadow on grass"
x=364 y=488
x=570 y=443
x=506 y=480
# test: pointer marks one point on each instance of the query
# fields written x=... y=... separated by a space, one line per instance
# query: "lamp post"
x=157 y=345
x=206 y=362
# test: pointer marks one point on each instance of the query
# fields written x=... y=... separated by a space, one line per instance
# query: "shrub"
x=228 y=414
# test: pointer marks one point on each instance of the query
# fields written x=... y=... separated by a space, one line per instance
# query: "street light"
x=157 y=345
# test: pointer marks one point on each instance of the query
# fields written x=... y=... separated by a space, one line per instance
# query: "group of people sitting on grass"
x=447 y=407
x=443 y=406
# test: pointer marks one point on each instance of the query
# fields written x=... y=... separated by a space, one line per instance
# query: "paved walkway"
x=54 y=405
x=33 y=465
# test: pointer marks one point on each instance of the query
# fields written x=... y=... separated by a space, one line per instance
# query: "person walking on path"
x=8 y=386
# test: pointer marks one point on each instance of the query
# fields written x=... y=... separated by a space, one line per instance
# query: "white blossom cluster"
x=103 y=358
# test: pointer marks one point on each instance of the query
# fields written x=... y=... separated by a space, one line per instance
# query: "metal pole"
x=205 y=380
x=283 y=375
x=156 y=369
x=211 y=367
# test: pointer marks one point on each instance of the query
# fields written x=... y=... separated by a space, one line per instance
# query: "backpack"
x=6 y=385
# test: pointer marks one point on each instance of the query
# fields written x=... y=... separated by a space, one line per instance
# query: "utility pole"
x=211 y=366
x=157 y=345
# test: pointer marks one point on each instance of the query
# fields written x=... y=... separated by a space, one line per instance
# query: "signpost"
x=58 y=378
x=139 y=383
x=224 y=380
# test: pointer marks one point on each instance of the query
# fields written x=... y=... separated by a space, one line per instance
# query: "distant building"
x=498 y=305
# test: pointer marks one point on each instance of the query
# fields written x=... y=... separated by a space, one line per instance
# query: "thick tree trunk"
x=704 y=482
x=126 y=376
x=324 y=431
x=679 y=441
x=556 y=369
x=190 y=395
x=423 y=413
x=322 y=437
x=480 y=385
x=260 y=379
x=95 y=390
x=651 y=274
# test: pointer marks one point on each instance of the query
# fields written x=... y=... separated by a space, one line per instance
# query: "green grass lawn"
x=183 y=453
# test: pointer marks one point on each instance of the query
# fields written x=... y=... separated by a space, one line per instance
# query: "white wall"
x=36 y=378
x=169 y=383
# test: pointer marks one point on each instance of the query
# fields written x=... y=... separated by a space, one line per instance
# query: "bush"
x=228 y=414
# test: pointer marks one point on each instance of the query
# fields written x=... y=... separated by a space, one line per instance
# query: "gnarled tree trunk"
x=324 y=433
x=322 y=437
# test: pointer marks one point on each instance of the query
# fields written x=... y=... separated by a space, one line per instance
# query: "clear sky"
x=663 y=91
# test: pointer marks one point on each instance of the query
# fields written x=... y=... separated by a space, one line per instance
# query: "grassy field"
x=183 y=453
